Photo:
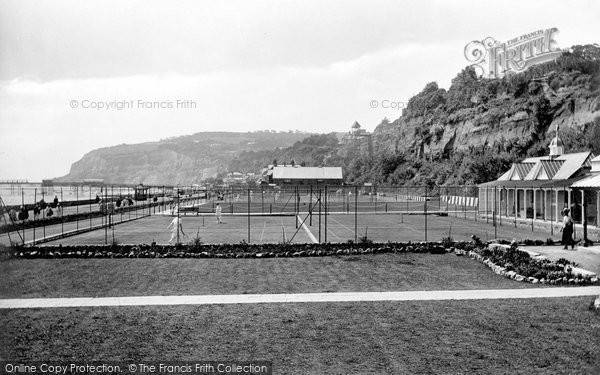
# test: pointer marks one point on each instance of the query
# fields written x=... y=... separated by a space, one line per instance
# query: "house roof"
x=560 y=184
x=595 y=162
x=536 y=173
x=551 y=167
x=592 y=181
x=307 y=173
x=523 y=169
x=517 y=171
x=572 y=163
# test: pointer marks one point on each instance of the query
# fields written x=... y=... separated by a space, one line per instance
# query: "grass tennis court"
x=333 y=228
x=234 y=229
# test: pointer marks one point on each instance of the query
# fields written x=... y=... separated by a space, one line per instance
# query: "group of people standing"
x=41 y=206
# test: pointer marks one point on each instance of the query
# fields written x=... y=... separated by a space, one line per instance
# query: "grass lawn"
x=30 y=278
x=550 y=336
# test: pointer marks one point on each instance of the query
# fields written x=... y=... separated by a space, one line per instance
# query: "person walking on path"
x=567 y=230
x=218 y=211
x=176 y=227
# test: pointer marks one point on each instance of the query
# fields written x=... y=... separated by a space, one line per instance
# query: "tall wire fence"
x=263 y=214
x=36 y=214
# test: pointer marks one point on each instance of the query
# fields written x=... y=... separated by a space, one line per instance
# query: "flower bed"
x=241 y=250
x=512 y=262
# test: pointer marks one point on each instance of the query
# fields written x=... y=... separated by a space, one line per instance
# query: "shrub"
x=364 y=240
x=447 y=241
x=195 y=244
x=566 y=262
x=476 y=240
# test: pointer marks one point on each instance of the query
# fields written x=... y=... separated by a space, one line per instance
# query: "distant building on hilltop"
x=360 y=138
x=538 y=188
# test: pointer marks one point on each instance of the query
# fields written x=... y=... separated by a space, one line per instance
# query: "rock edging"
x=569 y=274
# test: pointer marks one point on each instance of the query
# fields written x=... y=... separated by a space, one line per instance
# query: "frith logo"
x=492 y=59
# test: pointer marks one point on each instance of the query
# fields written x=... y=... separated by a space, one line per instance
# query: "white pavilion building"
x=538 y=188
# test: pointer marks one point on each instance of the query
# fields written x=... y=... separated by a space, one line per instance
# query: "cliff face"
x=474 y=128
x=501 y=119
x=182 y=160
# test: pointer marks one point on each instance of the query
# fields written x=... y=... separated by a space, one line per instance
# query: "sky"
x=80 y=75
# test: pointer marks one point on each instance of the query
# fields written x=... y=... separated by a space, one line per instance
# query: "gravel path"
x=301 y=297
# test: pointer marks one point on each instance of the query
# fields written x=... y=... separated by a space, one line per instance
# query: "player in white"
x=175 y=227
x=218 y=211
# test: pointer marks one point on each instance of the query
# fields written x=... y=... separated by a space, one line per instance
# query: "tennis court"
x=233 y=229
x=302 y=228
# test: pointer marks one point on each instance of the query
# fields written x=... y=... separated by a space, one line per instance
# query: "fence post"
x=464 y=207
x=90 y=208
x=178 y=217
x=310 y=209
x=77 y=207
x=516 y=196
x=425 y=209
x=495 y=227
x=476 y=208
x=533 y=208
x=104 y=219
x=23 y=221
x=326 y=198
x=248 y=215
x=500 y=207
x=494 y=214
x=62 y=216
x=34 y=218
x=355 y=213
x=319 y=213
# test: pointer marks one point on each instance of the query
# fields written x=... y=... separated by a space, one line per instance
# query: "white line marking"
x=263 y=231
x=347 y=228
x=310 y=235
x=333 y=233
x=435 y=295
